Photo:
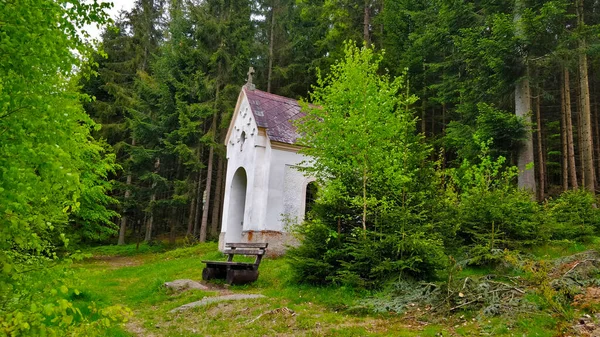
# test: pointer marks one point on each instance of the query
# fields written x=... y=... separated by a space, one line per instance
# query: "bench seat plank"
x=228 y=263
x=247 y=245
x=236 y=272
x=244 y=251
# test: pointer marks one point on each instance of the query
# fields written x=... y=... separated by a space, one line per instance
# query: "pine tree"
x=226 y=34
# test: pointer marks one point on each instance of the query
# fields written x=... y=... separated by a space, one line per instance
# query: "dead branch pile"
x=556 y=283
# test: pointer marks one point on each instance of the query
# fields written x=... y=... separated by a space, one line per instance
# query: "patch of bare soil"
x=135 y=327
x=115 y=262
x=223 y=289
x=588 y=299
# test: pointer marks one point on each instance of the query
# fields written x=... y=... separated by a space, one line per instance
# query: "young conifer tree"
x=360 y=134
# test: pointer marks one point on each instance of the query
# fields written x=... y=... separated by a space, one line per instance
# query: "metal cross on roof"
x=249 y=85
x=250 y=73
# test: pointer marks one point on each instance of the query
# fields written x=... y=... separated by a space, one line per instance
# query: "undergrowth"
x=535 y=292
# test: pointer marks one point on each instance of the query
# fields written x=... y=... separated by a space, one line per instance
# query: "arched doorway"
x=237 y=206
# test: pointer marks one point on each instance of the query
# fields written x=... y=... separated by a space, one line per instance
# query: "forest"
x=474 y=134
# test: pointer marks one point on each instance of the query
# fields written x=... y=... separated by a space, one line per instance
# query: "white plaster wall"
x=287 y=188
x=275 y=187
x=252 y=155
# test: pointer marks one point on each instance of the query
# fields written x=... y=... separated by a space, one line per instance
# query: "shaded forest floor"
x=135 y=278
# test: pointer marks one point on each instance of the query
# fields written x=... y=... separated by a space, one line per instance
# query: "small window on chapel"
x=310 y=197
x=242 y=140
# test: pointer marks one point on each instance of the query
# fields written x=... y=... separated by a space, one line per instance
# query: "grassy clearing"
x=134 y=278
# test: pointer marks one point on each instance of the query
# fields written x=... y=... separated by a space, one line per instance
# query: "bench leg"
x=236 y=277
x=210 y=273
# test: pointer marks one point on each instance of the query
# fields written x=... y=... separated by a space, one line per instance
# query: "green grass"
x=134 y=278
x=556 y=249
x=127 y=250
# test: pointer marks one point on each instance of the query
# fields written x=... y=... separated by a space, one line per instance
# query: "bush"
x=316 y=259
x=573 y=216
x=492 y=213
x=363 y=259
x=377 y=257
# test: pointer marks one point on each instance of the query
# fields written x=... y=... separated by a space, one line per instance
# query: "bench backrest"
x=243 y=248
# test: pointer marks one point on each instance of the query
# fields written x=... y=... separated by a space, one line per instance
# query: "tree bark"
x=190 y=226
x=579 y=137
x=217 y=202
x=423 y=121
x=209 y=169
x=272 y=29
x=197 y=215
x=569 y=125
x=432 y=131
x=206 y=197
x=367 y=22
x=443 y=134
x=526 y=177
x=541 y=162
x=172 y=225
x=563 y=140
x=597 y=137
x=175 y=215
x=586 y=119
x=364 y=215
x=150 y=222
x=123 y=226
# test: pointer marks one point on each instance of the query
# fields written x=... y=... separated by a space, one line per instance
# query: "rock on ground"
x=207 y=300
x=185 y=284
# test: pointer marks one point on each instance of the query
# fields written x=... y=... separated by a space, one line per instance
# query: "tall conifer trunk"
x=150 y=223
x=569 y=126
x=216 y=211
x=175 y=215
x=526 y=177
x=271 y=41
x=443 y=135
x=597 y=137
x=432 y=131
x=586 y=119
x=123 y=226
x=198 y=212
x=582 y=173
x=367 y=22
x=541 y=162
x=173 y=225
x=423 y=116
x=206 y=195
x=211 y=152
x=563 y=140
x=191 y=215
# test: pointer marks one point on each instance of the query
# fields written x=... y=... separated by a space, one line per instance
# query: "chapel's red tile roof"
x=275 y=113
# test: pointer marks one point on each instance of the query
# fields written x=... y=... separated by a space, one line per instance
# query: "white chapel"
x=264 y=190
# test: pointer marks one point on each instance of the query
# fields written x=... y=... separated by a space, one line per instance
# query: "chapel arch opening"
x=237 y=206
x=310 y=196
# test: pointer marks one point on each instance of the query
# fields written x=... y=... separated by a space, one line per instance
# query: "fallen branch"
x=258 y=317
x=462 y=305
x=274 y=311
x=576 y=264
x=509 y=286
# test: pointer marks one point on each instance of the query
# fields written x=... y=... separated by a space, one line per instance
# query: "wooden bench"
x=236 y=272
